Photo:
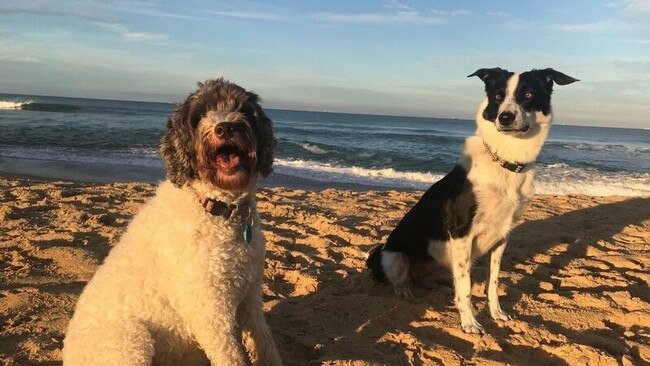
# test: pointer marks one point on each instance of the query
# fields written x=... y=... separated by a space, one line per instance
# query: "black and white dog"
x=470 y=211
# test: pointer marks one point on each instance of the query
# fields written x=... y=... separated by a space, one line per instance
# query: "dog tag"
x=248 y=234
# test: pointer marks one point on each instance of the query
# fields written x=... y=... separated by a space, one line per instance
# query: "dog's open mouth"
x=229 y=158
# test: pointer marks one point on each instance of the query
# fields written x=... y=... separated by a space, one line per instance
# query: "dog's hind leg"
x=396 y=269
x=461 y=252
x=492 y=282
x=114 y=343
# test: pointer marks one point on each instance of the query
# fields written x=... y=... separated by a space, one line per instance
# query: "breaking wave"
x=45 y=107
x=4 y=104
x=552 y=179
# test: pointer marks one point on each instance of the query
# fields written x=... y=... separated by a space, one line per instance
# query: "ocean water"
x=386 y=151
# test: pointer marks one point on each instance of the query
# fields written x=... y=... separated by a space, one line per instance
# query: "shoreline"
x=103 y=173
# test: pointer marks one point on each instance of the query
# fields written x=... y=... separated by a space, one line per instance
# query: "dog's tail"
x=374 y=263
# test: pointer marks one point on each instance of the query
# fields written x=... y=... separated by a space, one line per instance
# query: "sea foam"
x=386 y=177
x=5 y=104
x=553 y=179
x=313 y=148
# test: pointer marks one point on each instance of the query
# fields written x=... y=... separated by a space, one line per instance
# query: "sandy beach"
x=575 y=274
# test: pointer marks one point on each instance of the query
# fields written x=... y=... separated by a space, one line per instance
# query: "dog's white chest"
x=500 y=200
x=230 y=257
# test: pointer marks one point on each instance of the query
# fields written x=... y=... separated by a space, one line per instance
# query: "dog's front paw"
x=403 y=291
x=499 y=314
x=473 y=327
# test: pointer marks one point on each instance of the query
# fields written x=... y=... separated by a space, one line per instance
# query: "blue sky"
x=379 y=57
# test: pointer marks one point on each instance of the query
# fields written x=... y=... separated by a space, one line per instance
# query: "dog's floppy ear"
x=549 y=76
x=486 y=74
x=176 y=144
x=263 y=127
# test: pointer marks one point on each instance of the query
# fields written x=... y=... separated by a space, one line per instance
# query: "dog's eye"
x=498 y=97
x=528 y=95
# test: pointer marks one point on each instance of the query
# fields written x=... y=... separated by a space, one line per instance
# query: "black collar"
x=513 y=167
x=219 y=208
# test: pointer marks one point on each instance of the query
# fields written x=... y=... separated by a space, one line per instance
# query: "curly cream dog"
x=183 y=285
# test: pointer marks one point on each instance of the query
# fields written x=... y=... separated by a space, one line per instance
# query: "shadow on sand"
x=351 y=317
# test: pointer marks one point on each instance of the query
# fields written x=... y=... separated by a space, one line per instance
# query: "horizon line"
x=312 y=111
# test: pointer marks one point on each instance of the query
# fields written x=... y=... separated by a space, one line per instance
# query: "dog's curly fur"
x=177 y=145
x=182 y=287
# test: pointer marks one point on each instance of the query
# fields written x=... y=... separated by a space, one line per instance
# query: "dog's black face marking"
x=534 y=93
x=496 y=82
x=506 y=101
x=535 y=87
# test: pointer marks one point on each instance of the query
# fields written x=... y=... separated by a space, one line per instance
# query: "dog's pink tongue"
x=228 y=161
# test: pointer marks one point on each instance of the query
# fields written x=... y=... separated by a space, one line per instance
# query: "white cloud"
x=246 y=15
x=92 y=10
x=15 y=52
x=398 y=13
x=400 y=17
x=18 y=58
x=155 y=13
x=451 y=13
x=394 y=4
x=636 y=7
x=89 y=10
x=145 y=37
x=498 y=14
x=582 y=27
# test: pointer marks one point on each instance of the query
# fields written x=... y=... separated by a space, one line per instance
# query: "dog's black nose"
x=225 y=130
x=506 y=118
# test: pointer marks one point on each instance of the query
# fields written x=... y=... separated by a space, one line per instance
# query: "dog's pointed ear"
x=549 y=76
x=486 y=74
x=176 y=147
x=266 y=142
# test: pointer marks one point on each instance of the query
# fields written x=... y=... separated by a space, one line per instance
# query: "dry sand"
x=575 y=274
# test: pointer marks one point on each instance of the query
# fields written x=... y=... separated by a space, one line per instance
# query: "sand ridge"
x=574 y=274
